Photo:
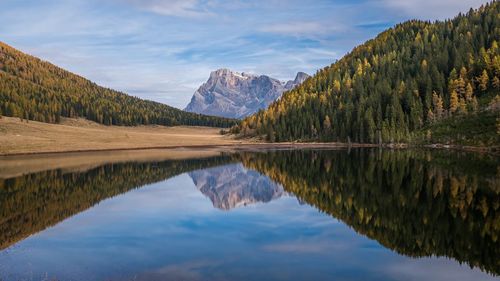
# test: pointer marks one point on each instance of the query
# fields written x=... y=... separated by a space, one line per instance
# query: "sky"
x=163 y=50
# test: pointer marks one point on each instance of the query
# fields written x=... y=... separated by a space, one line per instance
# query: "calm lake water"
x=363 y=214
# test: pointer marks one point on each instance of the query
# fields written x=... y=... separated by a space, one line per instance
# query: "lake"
x=359 y=214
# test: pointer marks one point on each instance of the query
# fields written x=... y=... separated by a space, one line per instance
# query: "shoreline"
x=17 y=164
x=18 y=139
x=256 y=146
x=221 y=147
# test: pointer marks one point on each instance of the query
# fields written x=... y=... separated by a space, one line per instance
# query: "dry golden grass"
x=17 y=137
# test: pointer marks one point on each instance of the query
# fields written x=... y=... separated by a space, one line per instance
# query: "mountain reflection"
x=417 y=203
x=231 y=186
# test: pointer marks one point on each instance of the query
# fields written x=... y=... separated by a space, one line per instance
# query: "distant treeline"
x=33 y=89
x=396 y=87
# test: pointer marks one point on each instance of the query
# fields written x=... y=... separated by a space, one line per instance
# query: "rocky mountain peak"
x=301 y=77
x=236 y=95
x=225 y=73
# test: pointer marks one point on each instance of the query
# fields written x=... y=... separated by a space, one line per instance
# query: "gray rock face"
x=232 y=186
x=237 y=95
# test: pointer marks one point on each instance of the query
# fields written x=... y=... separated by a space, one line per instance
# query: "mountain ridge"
x=34 y=89
x=233 y=94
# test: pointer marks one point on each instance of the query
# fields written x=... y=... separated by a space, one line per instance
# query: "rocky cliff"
x=237 y=95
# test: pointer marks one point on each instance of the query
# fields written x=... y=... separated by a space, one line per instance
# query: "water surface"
x=364 y=214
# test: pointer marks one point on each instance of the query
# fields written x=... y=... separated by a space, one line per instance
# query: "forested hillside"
x=33 y=89
x=400 y=87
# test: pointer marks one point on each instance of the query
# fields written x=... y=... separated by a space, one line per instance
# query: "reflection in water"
x=231 y=186
x=417 y=203
x=31 y=203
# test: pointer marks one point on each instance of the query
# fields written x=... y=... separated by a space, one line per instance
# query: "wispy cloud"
x=176 y=8
x=306 y=29
x=432 y=9
x=295 y=28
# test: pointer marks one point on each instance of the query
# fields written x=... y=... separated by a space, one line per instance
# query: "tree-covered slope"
x=412 y=76
x=37 y=90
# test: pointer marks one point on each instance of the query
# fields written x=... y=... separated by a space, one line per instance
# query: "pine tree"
x=483 y=81
x=474 y=105
x=430 y=116
x=462 y=107
x=437 y=103
x=327 y=126
x=469 y=92
x=454 y=102
x=496 y=83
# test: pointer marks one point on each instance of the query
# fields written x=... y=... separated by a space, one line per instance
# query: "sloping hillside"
x=37 y=90
x=398 y=87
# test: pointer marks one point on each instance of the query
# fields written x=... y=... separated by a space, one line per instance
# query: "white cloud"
x=176 y=8
x=294 y=28
x=432 y=9
x=308 y=29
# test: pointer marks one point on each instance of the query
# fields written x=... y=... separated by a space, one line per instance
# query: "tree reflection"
x=416 y=203
x=31 y=203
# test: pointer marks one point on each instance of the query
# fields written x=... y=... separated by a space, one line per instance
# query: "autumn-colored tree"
x=327 y=125
x=462 y=106
x=483 y=80
x=430 y=116
x=473 y=105
x=437 y=103
x=496 y=83
x=469 y=92
x=454 y=102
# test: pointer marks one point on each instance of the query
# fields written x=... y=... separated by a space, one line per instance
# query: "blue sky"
x=164 y=49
